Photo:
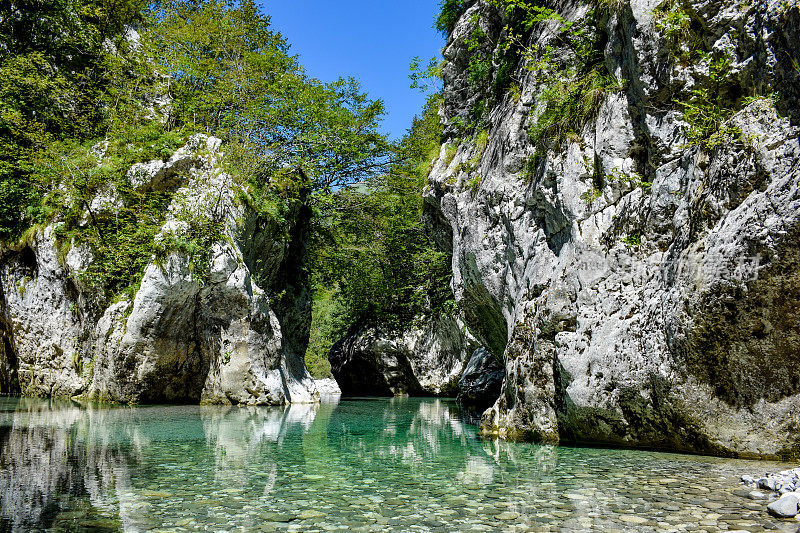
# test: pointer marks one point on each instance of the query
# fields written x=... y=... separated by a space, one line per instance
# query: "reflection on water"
x=396 y=464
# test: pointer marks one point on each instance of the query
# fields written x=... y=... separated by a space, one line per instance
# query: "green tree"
x=54 y=86
x=384 y=267
x=233 y=76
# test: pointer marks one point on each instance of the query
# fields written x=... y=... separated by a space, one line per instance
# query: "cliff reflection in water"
x=132 y=468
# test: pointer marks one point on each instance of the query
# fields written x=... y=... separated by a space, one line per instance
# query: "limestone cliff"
x=638 y=276
x=227 y=325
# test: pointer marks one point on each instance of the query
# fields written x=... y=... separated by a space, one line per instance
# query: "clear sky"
x=370 y=40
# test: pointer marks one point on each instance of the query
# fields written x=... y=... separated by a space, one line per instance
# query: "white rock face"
x=183 y=338
x=427 y=359
x=688 y=340
x=328 y=387
x=42 y=333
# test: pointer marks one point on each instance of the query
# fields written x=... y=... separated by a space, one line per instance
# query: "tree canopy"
x=233 y=76
x=77 y=71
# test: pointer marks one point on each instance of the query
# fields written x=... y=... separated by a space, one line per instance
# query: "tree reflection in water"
x=132 y=468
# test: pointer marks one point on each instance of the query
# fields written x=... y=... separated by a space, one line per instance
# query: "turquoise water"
x=359 y=465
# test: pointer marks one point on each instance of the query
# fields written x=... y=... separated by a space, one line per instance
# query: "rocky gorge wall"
x=214 y=332
x=641 y=288
x=437 y=357
x=425 y=360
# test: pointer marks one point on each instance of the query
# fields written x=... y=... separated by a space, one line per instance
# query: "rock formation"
x=424 y=360
x=641 y=286
x=232 y=329
x=481 y=382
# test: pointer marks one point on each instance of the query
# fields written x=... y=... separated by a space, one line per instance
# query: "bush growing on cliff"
x=449 y=13
x=570 y=68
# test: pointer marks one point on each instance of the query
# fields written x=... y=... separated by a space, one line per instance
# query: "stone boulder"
x=482 y=381
x=785 y=506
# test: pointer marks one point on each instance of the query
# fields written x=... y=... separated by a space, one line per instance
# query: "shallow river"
x=360 y=465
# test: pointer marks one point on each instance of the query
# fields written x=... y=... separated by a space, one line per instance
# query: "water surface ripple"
x=359 y=465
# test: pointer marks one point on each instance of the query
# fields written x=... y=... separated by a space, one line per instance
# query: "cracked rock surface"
x=662 y=316
x=182 y=338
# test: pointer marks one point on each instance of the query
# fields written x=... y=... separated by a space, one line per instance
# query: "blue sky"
x=370 y=40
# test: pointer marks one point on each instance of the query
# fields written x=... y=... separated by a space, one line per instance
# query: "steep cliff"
x=621 y=182
x=221 y=313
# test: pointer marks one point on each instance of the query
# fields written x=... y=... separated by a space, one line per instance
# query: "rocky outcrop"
x=424 y=360
x=327 y=387
x=640 y=286
x=482 y=381
x=204 y=328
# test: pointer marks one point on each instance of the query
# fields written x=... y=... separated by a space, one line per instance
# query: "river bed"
x=401 y=464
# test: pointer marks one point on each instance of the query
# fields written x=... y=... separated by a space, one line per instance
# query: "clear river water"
x=399 y=464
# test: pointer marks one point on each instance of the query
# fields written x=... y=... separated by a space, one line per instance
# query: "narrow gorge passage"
x=256 y=274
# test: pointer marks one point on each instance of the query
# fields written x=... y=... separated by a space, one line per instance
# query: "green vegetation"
x=529 y=167
x=591 y=196
x=632 y=178
x=610 y=5
x=427 y=80
x=373 y=258
x=570 y=68
x=684 y=36
x=59 y=87
x=709 y=107
x=232 y=76
x=76 y=75
x=632 y=240
x=327 y=326
x=474 y=183
x=470 y=166
x=449 y=13
x=121 y=237
x=479 y=69
x=568 y=104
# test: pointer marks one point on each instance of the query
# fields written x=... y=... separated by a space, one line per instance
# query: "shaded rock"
x=769 y=483
x=366 y=364
x=425 y=360
x=214 y=336
x=481 y=382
